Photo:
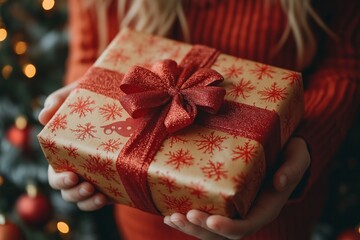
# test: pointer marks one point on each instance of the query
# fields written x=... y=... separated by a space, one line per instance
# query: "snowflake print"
x=180 y=159
x=49 y=145
x=241 y=89
x=152 y=40
x=219 y=61
x=292 y=77
x=169 y=183
x=111 y=145
x=233 y=71
x=95 y=164
x=147 y=63
x=175 y=54
x=165 y=49
x=198 y=190
x=208 y=143
x=114 y=191
x=110 y=111
x=140 y=49
x=81 y=106
x=63 y=165
x=58 y=122
x=246 y=152
x=214 y=170
x=239 y=179
x=208 y=208
x=90 y=179
x=177 y=204
x=262 y=71
x=174 y=139
x=116 y=57
x=84 y=131
x=71 y=151
x=273 y=94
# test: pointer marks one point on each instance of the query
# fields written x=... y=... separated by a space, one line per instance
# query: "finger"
x=168 y=222
x=95 y=202
x=265 y=209
x=296 y=162
x=181 y=223
x=198 y=218
x=78 y=193
x=63 y=180
x=53 y=102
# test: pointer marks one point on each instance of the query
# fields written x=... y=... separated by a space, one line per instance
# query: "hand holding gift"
x=215 y=165
x=202 y=225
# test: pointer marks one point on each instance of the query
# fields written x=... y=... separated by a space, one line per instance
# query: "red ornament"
x=18 y=137
x=34 y=208
x=9 y=230
x=349 y=234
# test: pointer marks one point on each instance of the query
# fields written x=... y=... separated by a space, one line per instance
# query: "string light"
x=48 y=4
x=63 y=227
x=21 y=122
x=3 y=34
x=29 y=70
x=20 y=47
x=6 y=71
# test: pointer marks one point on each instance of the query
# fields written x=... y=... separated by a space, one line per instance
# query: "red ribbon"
x=167 y=98
x=173 y=89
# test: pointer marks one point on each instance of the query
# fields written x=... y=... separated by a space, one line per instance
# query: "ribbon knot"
x=173 y=91
x=177 y=92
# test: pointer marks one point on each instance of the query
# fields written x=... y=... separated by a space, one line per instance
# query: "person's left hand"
x=266 y=208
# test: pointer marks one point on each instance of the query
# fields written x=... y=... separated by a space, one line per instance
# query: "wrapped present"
x=166 y=127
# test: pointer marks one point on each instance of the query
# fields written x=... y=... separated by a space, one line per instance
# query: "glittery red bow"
x=179 y=91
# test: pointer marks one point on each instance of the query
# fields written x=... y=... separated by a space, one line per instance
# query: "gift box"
x=164 y=126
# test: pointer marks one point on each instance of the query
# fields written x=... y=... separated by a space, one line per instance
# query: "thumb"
x=296 y=160
x=54 y=101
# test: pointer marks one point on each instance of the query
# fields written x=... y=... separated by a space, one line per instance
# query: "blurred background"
x=33 y=51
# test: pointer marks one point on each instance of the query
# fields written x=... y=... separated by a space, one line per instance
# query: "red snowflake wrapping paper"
x=196 y=168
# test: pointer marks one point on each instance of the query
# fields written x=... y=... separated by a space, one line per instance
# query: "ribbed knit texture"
x=252 y=29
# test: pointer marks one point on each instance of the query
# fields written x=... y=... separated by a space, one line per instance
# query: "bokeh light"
x=20 y=47
x=29 y=70
x=3 y=34
x=21 y=122
x=6 y=71
x=63 y=227
x=48 y=4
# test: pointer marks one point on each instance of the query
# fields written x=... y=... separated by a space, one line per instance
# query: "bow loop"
x=170 y=88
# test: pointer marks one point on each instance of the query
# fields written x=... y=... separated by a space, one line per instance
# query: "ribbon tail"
x=134 y=160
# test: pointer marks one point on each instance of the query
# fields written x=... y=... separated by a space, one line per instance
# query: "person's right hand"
x=72 y=189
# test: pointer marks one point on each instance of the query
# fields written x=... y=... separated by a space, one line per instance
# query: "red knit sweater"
x=252 y=29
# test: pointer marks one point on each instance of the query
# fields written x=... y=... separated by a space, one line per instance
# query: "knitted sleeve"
x=83 y=40
x=332 y=95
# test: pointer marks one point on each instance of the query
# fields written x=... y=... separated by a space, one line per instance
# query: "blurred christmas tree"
x=33 y=49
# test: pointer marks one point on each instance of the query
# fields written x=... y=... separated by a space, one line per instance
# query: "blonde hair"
x=157 y=17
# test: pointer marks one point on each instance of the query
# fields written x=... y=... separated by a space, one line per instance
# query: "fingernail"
x=99 y=201
x=195 y=221
x=69 y=181
x=178 y=223
x=283 y=181
x=48 y=104
x=84 y=192
x=167 y=220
